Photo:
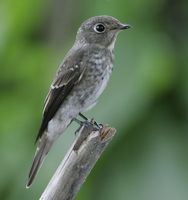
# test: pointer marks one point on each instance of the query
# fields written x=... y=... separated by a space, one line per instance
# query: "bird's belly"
x=101 y=86
x=93 y=88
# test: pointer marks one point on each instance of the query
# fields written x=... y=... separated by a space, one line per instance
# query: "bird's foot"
x=92 y=121
x=83 y=116
x=97 y=125
x=87 y=122
x=81 y=123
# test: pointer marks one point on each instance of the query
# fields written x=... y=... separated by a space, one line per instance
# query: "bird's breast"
x=96 y=76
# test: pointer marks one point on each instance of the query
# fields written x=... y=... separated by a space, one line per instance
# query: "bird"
x=79 y=81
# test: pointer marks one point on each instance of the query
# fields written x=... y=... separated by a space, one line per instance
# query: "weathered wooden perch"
x=78 y=162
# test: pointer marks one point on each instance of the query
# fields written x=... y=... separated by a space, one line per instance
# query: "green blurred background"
x=146 y=99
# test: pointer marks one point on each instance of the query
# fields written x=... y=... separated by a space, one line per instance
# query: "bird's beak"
x=124 y=26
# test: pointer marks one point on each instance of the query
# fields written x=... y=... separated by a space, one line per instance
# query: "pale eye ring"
x=99 y=28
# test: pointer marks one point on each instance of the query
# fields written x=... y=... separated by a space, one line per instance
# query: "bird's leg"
x=78 y=121
x=78 y=130
x=92 y=120
x=80 y=124
x=83 y=116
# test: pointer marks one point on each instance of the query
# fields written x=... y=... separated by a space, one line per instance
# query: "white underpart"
x=111 y=46
x=103 y=85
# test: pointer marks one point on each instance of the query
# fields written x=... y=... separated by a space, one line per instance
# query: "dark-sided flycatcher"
x=80 y=80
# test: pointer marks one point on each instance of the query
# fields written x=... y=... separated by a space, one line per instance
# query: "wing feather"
x=62 y=85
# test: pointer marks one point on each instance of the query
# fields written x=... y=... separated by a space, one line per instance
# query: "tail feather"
x=42 y=149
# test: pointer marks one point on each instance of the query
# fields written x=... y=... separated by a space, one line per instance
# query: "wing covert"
x=63 y=83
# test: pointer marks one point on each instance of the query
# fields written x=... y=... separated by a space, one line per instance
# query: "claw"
x=86 y=122
x=78 y=130
x=99 y=126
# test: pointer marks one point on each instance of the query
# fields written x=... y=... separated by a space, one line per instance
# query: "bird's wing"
x=65 y=80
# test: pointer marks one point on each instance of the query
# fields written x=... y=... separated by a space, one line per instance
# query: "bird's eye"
x=99 y=28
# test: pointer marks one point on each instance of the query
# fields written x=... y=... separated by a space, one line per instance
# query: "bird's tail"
x=42 y=149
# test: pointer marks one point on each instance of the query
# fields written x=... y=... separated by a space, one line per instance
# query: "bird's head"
x=101 y=30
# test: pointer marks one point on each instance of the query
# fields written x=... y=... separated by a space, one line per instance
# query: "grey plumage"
x=79 y=81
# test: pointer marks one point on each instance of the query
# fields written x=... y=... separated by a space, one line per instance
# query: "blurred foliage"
x=146 y=99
